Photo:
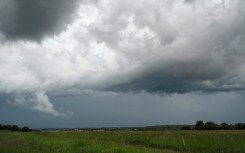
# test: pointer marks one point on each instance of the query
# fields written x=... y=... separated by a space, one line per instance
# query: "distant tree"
x=25 y=129
x=211 y=126
x=240 y=126
x=1 y=127
x=232 y=127
x=186 y=127
x=199 y=125
x=7 y=127
x=4 y=127
x=243 y=126
x=15 y=128
x=224 y=126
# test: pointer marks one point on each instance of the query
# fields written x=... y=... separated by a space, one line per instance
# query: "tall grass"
x=123 y=141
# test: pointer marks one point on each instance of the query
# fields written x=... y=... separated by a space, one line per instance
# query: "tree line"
x=15 y=128
x=200 y=125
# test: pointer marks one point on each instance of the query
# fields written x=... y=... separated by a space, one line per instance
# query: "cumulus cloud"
x=176 y=46
x=173 y=46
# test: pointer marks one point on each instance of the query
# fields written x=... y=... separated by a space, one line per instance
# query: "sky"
x=104 y=63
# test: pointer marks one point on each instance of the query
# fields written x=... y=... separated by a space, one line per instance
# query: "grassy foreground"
x=123 y=141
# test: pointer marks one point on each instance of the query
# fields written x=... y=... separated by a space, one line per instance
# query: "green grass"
x=123 y=141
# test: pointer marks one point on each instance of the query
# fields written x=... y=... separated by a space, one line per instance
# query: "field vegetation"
x=175 y=141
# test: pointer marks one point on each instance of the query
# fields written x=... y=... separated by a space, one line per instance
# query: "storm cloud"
x=34 y=19
x=163 y=47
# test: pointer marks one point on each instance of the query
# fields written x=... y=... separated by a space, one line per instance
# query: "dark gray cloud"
x=204 y=53
x=35 y=19
x=189 y=1
x=207 y=74
x=158 y=83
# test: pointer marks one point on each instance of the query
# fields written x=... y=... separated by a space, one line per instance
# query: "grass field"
x=123 y=141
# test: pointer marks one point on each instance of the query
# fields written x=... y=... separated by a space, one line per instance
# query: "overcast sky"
x=98 y=63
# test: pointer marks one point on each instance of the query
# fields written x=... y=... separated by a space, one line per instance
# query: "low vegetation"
x=175 y=141
x=202 y=137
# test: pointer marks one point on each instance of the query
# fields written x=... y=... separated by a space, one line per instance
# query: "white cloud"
x=156 y=46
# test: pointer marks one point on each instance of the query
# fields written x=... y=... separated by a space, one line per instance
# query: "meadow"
x=179 y=141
